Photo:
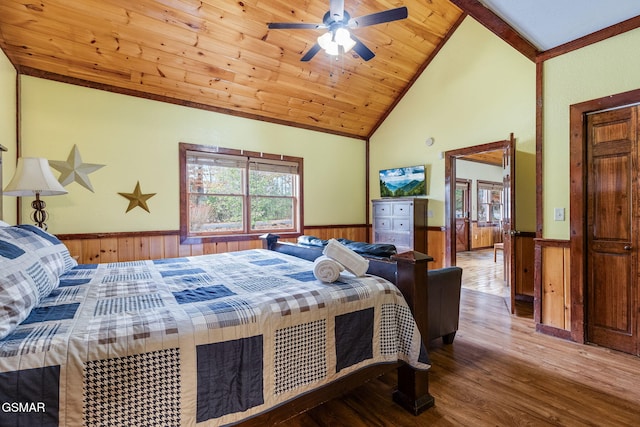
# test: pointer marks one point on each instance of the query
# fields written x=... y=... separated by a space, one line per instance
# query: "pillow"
x=23 y=281
x=4 y=224
x=311 y=241
x=52 y=252
x=383 y=250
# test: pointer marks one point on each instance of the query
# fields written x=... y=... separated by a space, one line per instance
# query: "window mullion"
x=247 y=199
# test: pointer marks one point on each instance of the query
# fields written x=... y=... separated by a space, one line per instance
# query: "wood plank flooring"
x=500 y=372
x=481 y=272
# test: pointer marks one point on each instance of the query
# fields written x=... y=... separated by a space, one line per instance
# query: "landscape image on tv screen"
x=403 y=182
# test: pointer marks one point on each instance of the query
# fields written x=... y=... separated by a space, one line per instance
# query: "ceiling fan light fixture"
x=331 y=41
x=327 y=42
x=332 y=49
x=325 y=39
x=343 y=38
x=338 y=21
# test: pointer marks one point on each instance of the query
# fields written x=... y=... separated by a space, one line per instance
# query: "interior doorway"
x=478 y=210
x=497 y=219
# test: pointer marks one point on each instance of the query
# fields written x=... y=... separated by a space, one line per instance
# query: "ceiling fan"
x=338 y=22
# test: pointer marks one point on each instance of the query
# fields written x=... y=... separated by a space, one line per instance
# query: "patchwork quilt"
x=207 y=340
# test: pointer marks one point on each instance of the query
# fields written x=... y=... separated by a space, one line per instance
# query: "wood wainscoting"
x=552 y=296
x=130 y=246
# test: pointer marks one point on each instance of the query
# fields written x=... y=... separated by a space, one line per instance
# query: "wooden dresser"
x=401 y=222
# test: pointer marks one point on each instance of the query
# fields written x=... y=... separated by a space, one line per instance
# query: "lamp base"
x=39 y=215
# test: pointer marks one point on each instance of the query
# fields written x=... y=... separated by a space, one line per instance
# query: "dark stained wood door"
x=612 y=229
x=463 y=214
x=462 y=234
x=509 y=229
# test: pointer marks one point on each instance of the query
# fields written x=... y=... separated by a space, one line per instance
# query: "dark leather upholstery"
x=444 y=302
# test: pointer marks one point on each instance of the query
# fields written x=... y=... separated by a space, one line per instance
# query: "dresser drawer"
x=402 y=224
x=402 y=209
x=382 y=224
x=397 y=239
x=382 y=209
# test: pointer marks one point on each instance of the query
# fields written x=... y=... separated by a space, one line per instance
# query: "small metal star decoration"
x=137 y=199
x=73 y=169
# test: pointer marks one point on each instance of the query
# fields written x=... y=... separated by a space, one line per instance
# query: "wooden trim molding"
x=450 y=188
x=539 y=148
x=498 y=26
x=598 y=36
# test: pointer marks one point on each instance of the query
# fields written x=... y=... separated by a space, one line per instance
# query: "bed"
x=239 y=337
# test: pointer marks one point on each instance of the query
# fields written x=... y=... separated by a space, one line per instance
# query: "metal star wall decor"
x=73 y=169
x=137 y=198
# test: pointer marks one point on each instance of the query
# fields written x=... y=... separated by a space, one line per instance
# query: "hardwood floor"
x=500 y=372
x=481 y=273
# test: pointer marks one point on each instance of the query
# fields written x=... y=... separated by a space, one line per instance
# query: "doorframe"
x=577 y=200
x=450 y=188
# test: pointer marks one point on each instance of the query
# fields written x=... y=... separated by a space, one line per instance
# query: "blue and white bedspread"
x=204 y=340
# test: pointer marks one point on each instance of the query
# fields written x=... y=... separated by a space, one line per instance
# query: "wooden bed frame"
x=408 y=271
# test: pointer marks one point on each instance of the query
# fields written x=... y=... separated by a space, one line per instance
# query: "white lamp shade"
x=33 y=175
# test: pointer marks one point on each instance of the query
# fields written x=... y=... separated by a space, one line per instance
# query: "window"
x=234 y=194
x=489 y=202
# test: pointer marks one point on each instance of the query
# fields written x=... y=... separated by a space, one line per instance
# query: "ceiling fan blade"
x=363 y=51
x=311 y=53
x=379 y=17
x=294 y=26
x=336 y=8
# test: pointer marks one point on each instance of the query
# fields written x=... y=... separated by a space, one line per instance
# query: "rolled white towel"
x=326 y=269
x=352 y=261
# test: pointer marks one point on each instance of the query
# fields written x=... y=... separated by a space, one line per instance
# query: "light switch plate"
x=558 y=214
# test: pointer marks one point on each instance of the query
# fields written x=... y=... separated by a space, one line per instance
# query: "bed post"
x=413 y=386
x=269 y=240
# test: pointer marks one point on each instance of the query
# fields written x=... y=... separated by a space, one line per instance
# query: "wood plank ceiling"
x=219 y=54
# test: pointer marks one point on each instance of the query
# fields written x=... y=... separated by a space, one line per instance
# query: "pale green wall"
x=137 y=140
x=8 y=132
x=477 y=90
x=606 y=68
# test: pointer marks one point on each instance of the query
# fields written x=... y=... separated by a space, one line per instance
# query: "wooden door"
x=612 y=229
x=509 y=230
x=462 y=234
x=463 y=214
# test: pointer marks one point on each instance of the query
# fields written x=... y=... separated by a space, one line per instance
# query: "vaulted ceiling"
x=220 y=55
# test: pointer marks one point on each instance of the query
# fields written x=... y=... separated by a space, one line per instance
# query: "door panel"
x=462 y=212
x=508 y=221
x=612 y=224
x=462 y=234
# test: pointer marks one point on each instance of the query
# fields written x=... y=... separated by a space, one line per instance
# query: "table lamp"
x=33 y=177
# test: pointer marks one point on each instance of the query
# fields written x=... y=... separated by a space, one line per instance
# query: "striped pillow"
x=52 y=252
x=23 y=279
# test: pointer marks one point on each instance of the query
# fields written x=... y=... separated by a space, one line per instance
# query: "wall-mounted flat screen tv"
x=403 y=182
